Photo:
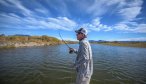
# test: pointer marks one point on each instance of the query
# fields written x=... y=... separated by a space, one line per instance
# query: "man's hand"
x=71 y=50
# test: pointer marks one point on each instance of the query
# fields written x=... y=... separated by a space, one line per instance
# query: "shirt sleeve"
x=75 y=51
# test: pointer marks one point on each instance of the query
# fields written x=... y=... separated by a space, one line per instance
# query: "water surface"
x=53 y=65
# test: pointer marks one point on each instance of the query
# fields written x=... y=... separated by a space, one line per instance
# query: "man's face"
x=80 y=36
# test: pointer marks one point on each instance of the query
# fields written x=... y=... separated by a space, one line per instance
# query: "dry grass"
x=129 y=44
x=28 y=39
x=10 y=41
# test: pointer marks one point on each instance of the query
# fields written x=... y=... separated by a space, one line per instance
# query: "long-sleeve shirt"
x=84 y=61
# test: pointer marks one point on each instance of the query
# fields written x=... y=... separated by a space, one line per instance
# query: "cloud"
x=41 y=11
x=4 y=3
x=16 y=4
x=16 y=21
x=95 y=8
x=130 y=13
x=61 y=15
x=121 y=26
x=32 y=20
x=62 y=23
x=96 y=25
x=132 y=27
x=59 y=6
x=131 y=9
x=141 y=28
x=134 y=3
x=20 y=7
x=96 y=22
x=100 y=7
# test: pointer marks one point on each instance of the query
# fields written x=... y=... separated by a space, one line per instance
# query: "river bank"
x=24 y=44
x=16 y=41
x=126 y=44
x=27 y=41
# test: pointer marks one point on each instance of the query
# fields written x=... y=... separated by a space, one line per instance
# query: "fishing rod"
x=71 y=51
x=64 y=41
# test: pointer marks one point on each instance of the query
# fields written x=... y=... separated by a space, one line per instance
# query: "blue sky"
x=104 y=19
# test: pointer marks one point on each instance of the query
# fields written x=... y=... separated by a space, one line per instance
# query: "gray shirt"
x=84 y=61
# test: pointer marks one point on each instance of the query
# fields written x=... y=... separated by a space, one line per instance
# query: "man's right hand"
x=71 y=50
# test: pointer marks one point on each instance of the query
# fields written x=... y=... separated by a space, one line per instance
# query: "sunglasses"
x=79 y=33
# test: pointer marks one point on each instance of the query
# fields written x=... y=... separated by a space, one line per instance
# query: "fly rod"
x=64 y=41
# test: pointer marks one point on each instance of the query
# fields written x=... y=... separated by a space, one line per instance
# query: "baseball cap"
x=82 y=30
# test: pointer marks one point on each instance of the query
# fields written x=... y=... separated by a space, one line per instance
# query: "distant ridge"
x=20 y=35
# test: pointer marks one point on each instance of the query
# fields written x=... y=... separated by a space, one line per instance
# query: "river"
x=53 y=65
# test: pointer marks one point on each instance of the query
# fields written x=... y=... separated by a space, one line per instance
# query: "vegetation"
x=28 y=39
x=129 y=44
x=11 y=41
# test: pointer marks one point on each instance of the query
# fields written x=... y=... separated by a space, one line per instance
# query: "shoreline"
x=30 y=41
x=128 y=44
x=27 y=41
x=7 y=45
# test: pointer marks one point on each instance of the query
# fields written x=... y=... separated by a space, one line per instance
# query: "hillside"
x=24 y=41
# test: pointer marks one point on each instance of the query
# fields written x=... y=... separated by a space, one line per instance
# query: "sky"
x=111 y=20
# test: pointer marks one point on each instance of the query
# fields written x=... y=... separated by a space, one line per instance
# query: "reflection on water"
x=52 y=65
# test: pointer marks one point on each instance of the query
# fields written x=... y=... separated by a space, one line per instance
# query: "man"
x=84 y=62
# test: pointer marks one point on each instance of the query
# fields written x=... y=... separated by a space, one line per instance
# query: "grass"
x=7 y=47
x=128 y=44
x=24 y=39
x=10 y=41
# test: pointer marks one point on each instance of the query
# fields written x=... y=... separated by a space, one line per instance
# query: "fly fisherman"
x=83 y=62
